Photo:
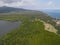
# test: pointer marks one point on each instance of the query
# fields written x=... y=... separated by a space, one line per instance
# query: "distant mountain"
x=6 y=9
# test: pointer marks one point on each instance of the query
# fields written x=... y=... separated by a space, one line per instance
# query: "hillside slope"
x=6 y=9
x=30 y=33
x=19 y=13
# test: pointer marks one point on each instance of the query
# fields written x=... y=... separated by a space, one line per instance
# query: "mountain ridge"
x=6 y=9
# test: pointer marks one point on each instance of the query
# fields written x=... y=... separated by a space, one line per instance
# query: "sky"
x=32 y=4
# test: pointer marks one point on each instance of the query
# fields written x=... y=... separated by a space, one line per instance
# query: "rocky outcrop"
x=58 y=23
x=50 y=28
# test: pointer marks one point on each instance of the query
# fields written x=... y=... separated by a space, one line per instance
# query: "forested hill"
x=32 y=29
x=31 y=32
x=6 y=9
x=17 y=12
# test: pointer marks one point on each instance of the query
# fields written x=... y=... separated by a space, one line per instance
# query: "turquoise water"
x=53 y=13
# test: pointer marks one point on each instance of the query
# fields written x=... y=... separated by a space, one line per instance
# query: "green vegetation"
x=30 y=32
x=22 y=15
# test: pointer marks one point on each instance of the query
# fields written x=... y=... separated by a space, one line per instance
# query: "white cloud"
x=15 y=4
x=12 y=4
x=2 y=3
x=50 y=3
x=21 y=3
x=30 y=4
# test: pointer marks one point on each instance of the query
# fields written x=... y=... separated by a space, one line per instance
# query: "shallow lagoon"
x=7 y=26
